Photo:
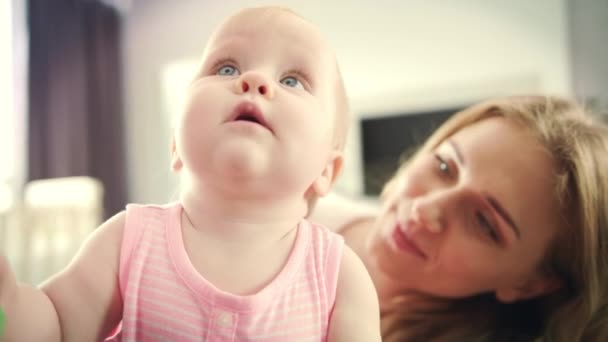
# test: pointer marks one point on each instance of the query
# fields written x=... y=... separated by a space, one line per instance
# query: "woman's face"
x=475 y=215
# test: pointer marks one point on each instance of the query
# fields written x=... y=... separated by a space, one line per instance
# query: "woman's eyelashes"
x=445 y=167
x=487 y=227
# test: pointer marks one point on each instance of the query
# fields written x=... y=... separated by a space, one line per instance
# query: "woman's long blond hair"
x=578 y=255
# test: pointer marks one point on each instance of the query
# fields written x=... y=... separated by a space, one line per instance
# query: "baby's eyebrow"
x=221 y=49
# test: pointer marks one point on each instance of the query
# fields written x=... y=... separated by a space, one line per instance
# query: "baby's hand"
x=7 y=285
x=7 y=280
x=1 y=322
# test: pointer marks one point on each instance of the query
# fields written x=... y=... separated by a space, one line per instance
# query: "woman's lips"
x=405 y=244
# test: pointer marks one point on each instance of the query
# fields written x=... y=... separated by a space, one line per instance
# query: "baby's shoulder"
x=319 y=230
x=137 y=213
x=152 y=207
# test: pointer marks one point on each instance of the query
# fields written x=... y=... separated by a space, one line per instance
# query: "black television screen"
x=388 y=139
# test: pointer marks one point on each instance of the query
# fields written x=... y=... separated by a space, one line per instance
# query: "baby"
x=259 y=141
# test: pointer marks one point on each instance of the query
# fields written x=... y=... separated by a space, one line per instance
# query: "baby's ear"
x=176 y=162
x=324 y=182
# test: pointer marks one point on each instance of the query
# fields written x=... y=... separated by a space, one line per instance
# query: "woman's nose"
x=427 y=214
x=254 y=83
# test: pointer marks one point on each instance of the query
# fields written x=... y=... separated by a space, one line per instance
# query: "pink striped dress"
x=166 y=299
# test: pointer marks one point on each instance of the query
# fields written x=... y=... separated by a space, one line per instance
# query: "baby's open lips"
x=247 y=117
x=250 y=112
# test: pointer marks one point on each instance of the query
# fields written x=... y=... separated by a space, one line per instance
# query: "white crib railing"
x=43 y=234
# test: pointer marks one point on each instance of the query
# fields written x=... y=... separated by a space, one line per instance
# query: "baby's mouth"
x=249 y=112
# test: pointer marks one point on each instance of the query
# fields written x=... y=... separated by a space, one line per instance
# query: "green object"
x=1 y=322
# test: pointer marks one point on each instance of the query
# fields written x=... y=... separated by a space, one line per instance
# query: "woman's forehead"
x=500 y=141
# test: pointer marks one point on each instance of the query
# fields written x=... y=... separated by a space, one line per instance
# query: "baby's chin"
x=234 y=162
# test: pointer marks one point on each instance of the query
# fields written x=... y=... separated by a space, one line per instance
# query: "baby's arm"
x=81 y=303
x=356 y=314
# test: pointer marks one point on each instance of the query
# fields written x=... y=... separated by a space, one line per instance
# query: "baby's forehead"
x=269 y=31
x=256 y=19
x=272 y=24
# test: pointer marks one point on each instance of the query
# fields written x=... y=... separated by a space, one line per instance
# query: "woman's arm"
x=336 y=211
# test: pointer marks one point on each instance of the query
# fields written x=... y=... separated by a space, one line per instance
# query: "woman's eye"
x=487 y=227
x=292 y=82
x=443 y=166
x=227 y=70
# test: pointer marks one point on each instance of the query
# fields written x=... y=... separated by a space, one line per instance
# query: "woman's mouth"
x=405 y=244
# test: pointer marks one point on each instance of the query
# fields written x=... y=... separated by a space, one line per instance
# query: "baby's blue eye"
x=293 y=82
x=227 y=70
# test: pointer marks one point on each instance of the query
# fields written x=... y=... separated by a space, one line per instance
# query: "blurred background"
x=89 y=88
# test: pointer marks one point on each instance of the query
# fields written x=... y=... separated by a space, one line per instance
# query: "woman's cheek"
x=464 y=260
x=412 y=186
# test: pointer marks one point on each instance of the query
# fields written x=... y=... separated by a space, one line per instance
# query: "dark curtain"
x=76 y=124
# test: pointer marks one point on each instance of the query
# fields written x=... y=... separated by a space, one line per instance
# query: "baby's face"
x=263 y=101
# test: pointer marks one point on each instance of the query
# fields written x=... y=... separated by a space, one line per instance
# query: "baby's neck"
x=250 y=238
x=222 y=216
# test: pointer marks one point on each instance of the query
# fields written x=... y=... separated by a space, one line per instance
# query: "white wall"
x=7 y=138
x=589 y=52
x=13 y=91
x=394 y=55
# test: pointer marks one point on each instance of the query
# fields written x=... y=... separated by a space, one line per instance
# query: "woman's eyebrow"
x=505 y=215
x=457 y=150
x=493 y=201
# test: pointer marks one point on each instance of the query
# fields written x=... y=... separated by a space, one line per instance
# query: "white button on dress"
x=224 y=319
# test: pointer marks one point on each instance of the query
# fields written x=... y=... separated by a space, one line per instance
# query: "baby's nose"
x=252 y=82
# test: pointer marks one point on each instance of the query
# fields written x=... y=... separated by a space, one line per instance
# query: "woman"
x=496 y=230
